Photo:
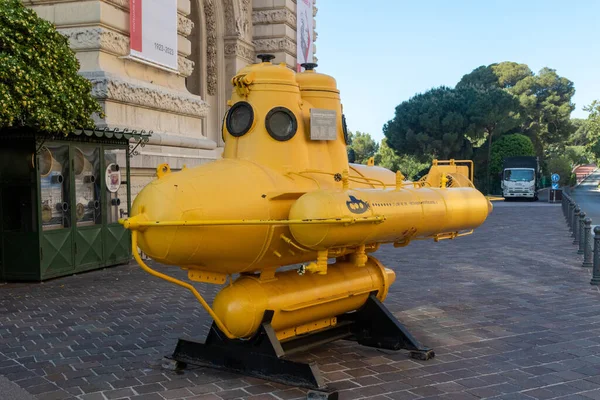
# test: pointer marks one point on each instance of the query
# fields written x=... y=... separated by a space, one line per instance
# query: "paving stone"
x=427 y=391
x=541 y=393
x=514 y=396
x=175 y=384
x=594 y=394
x=149 y=388
x=583 y=384
x=449 y=387
x=403 y=395
x=149 y=396
x=232 y=384
x=458 y=396
x=176 y=393
x=205 y=397
x=266 y=396
x=290 y=394
x=54 y=395
x=232 y=394
x=92 y=396
x=43 y=388
x=118 y=393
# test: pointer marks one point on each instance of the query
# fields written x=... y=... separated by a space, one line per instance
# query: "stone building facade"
x=184 y=109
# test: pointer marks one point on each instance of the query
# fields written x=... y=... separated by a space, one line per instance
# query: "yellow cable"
x=291 y=243
x=306 y=177
x=167 y=278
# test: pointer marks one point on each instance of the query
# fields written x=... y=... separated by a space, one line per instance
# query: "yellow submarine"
x=284 y=194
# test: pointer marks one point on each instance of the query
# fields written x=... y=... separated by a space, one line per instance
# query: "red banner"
x=135 y=24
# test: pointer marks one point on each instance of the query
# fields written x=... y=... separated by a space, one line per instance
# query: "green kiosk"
x=60 y=201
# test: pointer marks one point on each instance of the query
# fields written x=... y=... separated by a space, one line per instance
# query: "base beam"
x=264 y=356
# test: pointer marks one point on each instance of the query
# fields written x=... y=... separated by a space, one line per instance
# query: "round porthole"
x=239 y=119
x=345 y=129
x=281 y=124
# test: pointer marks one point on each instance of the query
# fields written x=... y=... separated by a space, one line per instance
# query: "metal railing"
x=581 y=232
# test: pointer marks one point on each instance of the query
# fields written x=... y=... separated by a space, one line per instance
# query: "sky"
x=383 y=52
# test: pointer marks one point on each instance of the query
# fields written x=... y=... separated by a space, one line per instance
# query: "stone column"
x=239 y=49
x=275 y=29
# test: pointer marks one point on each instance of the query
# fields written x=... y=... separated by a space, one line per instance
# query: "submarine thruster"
x=284 y=194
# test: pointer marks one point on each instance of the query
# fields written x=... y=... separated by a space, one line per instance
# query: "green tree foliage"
x=363 y=146
x=447 y=123
x=510 y=73
x=481 y=76
x=497 y=112
x=434 y=124
x=39 y=82
x=578 y=155
x=561 y=165
x=499 y=75
x=592 y=128
x=593 y=121
x=509 y=146
x=580 y=136
x=545 y=99
x=408 y=165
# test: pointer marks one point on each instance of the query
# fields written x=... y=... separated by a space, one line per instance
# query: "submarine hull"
x=300 y=303
x=409 y=212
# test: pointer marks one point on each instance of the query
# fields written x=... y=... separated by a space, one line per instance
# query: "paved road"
x=509 y=311
x=587 y=195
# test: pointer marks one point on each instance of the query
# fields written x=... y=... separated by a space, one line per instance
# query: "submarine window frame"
x=292 y=117
x=239 y=104
x=223 y=126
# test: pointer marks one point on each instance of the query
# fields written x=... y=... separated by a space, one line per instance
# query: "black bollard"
x=581 y=235
x=588 y=249
x=575 y=234
x=570 y=217
x=596 y=272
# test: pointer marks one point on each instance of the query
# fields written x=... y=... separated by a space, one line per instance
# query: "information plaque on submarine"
x=323 y=124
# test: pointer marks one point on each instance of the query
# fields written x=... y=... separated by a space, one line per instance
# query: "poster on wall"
x=153 y=31
x=304 y=35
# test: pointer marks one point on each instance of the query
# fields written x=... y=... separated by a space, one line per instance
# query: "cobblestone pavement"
x=509 y=311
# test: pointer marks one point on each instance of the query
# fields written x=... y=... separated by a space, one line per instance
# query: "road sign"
x=555 y=186
x=555 y=178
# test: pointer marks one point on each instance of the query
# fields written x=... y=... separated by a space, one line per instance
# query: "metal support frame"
x=39 y=143
x=266 y=357
x=142 y=140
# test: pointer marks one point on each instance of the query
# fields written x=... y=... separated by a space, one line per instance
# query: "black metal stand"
x=264 y=356
x=376 y=326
